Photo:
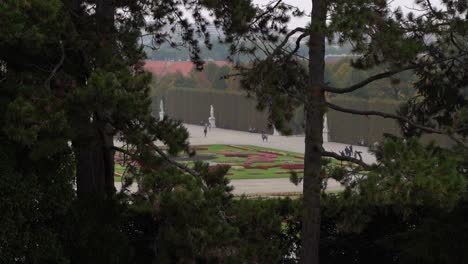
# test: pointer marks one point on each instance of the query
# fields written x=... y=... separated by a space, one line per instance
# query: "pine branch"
x=264 y=49
x=57 y=67
x=457 y=45
x=267 y=11
x=345 y=158
x=166 y=158
x=173 y=162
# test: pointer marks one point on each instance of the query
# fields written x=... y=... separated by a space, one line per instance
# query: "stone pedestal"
x=276 y=132
x=212 y=122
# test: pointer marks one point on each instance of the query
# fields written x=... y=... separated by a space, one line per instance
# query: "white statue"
x=161 y=112
x=325 y=129
x=212 y=119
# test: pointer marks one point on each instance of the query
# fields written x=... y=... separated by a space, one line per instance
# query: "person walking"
x=205 y=130
x=264 y=137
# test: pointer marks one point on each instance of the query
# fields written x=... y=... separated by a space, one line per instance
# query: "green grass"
x=258 y=174
x=119 y=169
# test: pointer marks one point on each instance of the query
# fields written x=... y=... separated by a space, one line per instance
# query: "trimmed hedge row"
x=235 y=111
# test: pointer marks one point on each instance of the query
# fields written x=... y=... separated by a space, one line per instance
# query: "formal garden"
x=246 y=162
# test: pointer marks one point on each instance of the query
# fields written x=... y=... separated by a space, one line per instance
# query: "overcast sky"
x=307 y=5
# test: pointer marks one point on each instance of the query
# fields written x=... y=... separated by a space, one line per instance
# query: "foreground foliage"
x=72 y=81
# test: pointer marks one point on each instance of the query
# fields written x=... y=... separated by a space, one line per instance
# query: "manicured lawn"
x=259 y=174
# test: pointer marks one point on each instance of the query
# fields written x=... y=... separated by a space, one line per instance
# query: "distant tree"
x=220 y=81
x=212 y=77
x=210 y=72
x=215 y=75
x=182 y=81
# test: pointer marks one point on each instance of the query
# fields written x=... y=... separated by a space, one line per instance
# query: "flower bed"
x=235 y=154
x=246 y=162
x=292 y=166
x=262 y=167
x=272 y=152
x=261 y=158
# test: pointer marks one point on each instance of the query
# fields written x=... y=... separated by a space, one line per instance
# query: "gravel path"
x=292 y=143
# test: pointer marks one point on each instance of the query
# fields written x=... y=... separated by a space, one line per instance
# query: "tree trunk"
x=94 y=141
x=314 y=111
x=95 y=160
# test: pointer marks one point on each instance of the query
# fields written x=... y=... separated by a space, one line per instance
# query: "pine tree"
x=430 y=43
x=84 y=61
x=72 y=82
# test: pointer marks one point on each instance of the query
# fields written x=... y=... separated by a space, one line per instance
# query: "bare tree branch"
x=345 y=158
x=287 y=37
x=368 y=80
x=392 y=116
x=429 y=4
x=385 y=75
x=460 y=142
x=298 y=44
